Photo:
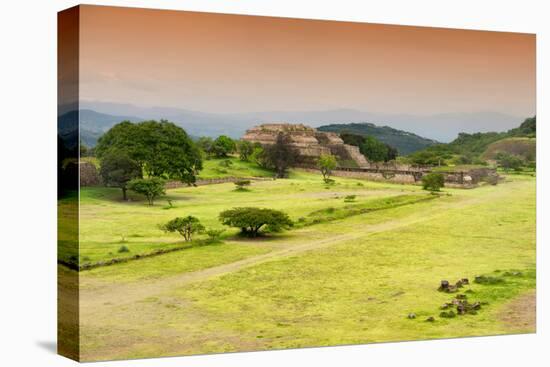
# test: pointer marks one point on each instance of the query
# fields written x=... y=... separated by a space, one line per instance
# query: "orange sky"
x=230 y=63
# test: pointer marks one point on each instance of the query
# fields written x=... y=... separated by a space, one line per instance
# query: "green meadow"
x=351 y=270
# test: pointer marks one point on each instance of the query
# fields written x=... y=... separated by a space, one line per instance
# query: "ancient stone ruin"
x=309 y=142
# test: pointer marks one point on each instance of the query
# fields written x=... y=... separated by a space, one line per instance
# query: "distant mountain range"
x=97 y=117
x=403 y=141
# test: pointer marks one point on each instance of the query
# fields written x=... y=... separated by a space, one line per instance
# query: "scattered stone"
x=465 y=281
x=411 y=316
x=444 y=285
x=445 y=306
x=461 y=296
x=430 y=319
x=458 y=284
x=476 y=305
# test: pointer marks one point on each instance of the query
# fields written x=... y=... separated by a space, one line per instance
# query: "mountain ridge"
x=443 y=127
x=404 y=141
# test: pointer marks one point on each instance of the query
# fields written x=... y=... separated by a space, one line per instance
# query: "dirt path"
x=120 y=294
x=520 y=315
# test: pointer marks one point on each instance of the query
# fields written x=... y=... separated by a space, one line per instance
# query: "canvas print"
x=234 y=183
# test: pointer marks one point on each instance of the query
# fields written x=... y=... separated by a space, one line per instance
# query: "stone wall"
x=89 y=176
x=460 y=179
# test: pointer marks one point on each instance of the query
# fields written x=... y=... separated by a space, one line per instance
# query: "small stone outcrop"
x=309 y=143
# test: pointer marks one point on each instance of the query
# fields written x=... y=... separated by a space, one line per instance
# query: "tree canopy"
x=185 y=226
x=279 y=156
x=326 y=163
x=151 y=188
x=245 y=149
x=162 y=149
x=373 y=149
x=223 y=146
x=250 y=220
x=433 y=181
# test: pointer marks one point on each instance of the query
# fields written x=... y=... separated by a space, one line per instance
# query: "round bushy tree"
x=151 y=188
x=162 y=149
x=186 y=226
x=223 y=146
x=433 y=181
x=251 y=220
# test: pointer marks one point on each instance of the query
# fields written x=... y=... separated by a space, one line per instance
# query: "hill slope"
x=524 y=147
x=403 y=141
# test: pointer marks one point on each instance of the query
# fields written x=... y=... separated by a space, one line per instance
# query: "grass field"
x=352 y=277
x=107 y=223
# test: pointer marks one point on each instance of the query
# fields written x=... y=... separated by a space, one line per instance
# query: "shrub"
x=433 y=181
x=251 y=220
x=241 y=184
x=151 y=188
x=349 y=198
x=186 y=226
x=123 y=248
x=484 y=279
x=214 y=234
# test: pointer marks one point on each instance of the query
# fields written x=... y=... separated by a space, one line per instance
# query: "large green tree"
x=223 y=146
x=162 y=149
x=280 y=156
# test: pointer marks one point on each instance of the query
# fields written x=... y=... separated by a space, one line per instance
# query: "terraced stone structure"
x=309 y=143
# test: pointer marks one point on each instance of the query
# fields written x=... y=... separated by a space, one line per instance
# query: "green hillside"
x=475 y=148
x=405 y=142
